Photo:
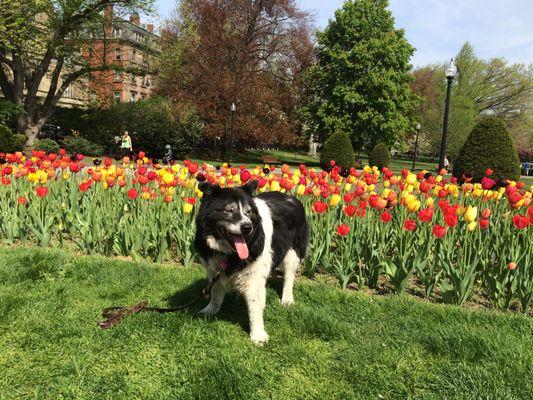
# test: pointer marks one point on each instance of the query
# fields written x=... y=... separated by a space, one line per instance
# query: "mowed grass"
x=331 y=344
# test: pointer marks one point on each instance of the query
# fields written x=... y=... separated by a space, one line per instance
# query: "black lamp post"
x=417 y=127
x=233 y=108
x=451 y=73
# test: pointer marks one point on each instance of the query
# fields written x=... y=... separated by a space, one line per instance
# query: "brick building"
x=129 y=44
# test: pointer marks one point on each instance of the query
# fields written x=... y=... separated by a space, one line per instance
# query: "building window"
x=133 y=97
x=116 y=97
x=133 y=80
x=68 y=93
x=133 y=56
x=118 y=76
x=117 y=32
x=139 y=37
x=117 y=53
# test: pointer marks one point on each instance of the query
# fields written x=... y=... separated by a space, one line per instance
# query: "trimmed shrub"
x=379 y=156
x=339 y=149
x=19 y=140
x=82 y=146
x=6 y=139
x=48 y=145
x=489 y=146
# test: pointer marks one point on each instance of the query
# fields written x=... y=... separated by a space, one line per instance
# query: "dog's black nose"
x=246 y=228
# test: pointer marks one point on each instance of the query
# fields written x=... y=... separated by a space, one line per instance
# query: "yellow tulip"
x=300 y=190
x=410 y=179
x=274 y=186
x=370 y=188
x=470 y=214
x=334 y=200
x=187 y=208
x=430 y=201
x=146 y=195
x=347 y=187
x=175 y=168
x=471 y=226
x=413 y=205
x=167 y=178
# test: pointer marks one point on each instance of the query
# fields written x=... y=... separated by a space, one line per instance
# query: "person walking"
x=125 y=144
x=446 y=163
x=168 y=158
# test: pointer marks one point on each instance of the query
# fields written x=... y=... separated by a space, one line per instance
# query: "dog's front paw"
x=259 y=338
x=208 y=310
x=287 y=301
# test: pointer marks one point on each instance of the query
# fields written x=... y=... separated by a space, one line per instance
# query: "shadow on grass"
x=233 y=309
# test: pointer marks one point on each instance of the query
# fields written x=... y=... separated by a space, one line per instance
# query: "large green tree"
x=360 y=84
x=492 y=87
x=41 y=49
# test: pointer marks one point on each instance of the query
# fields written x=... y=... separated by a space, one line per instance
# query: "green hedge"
x=489 y=146
x=83 y=146
x=339 y=149
x=48 y=145
x=380 y=156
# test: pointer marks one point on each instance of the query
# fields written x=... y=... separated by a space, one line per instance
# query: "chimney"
x=108 y=11
x=135 y=19
x=150 y=28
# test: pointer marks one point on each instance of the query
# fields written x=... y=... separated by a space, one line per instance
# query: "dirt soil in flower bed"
x=331 y=344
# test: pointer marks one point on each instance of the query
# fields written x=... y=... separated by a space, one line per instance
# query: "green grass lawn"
x=330 y=345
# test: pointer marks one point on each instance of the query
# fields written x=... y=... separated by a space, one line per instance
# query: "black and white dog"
x=250 y=235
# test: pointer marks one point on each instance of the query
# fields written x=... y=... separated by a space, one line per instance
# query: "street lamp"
x=233 y=108
x=417 y=127
x=451 y=73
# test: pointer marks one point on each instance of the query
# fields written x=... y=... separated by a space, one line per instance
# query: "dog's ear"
x=207 y=188
x=250 y=187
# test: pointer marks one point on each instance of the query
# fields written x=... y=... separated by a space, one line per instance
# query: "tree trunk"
x=31 y=132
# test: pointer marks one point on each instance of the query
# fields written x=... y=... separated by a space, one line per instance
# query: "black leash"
x=113 y=315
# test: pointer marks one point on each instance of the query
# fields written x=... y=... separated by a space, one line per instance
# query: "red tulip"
x=320 y=207
x=245 y=176
x=439 y=231
x=22 y=200
x=386 y=216
x=409 y=225
x=511 y=266
x=84 y=187
x=487 y=183
x=132 y=194
x=485 y=213
x=343 y=230
x=530 y=214
x=142 y=154
x=350 y=210
x=41 y=191
x=193 y=167
x=484 y=223
x=489 y=172
x=425 y=215
x=520 y=221
x=451 y=220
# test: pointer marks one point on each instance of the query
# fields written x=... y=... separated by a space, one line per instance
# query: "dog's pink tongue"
x=240 y=245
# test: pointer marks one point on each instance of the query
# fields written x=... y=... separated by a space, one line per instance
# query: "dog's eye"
x=248 y=210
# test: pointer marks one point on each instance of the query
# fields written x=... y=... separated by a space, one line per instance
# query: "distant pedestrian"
x=125 y=144
x=168 y=157
x=446 y=163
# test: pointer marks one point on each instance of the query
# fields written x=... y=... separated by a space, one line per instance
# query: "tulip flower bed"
x=368 y=227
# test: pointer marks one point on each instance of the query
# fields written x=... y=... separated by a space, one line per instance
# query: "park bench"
x=270 y=160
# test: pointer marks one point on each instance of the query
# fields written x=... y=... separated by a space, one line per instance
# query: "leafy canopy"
x=361 y=82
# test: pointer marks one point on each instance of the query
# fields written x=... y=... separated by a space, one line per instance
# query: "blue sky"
x=438 y=28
